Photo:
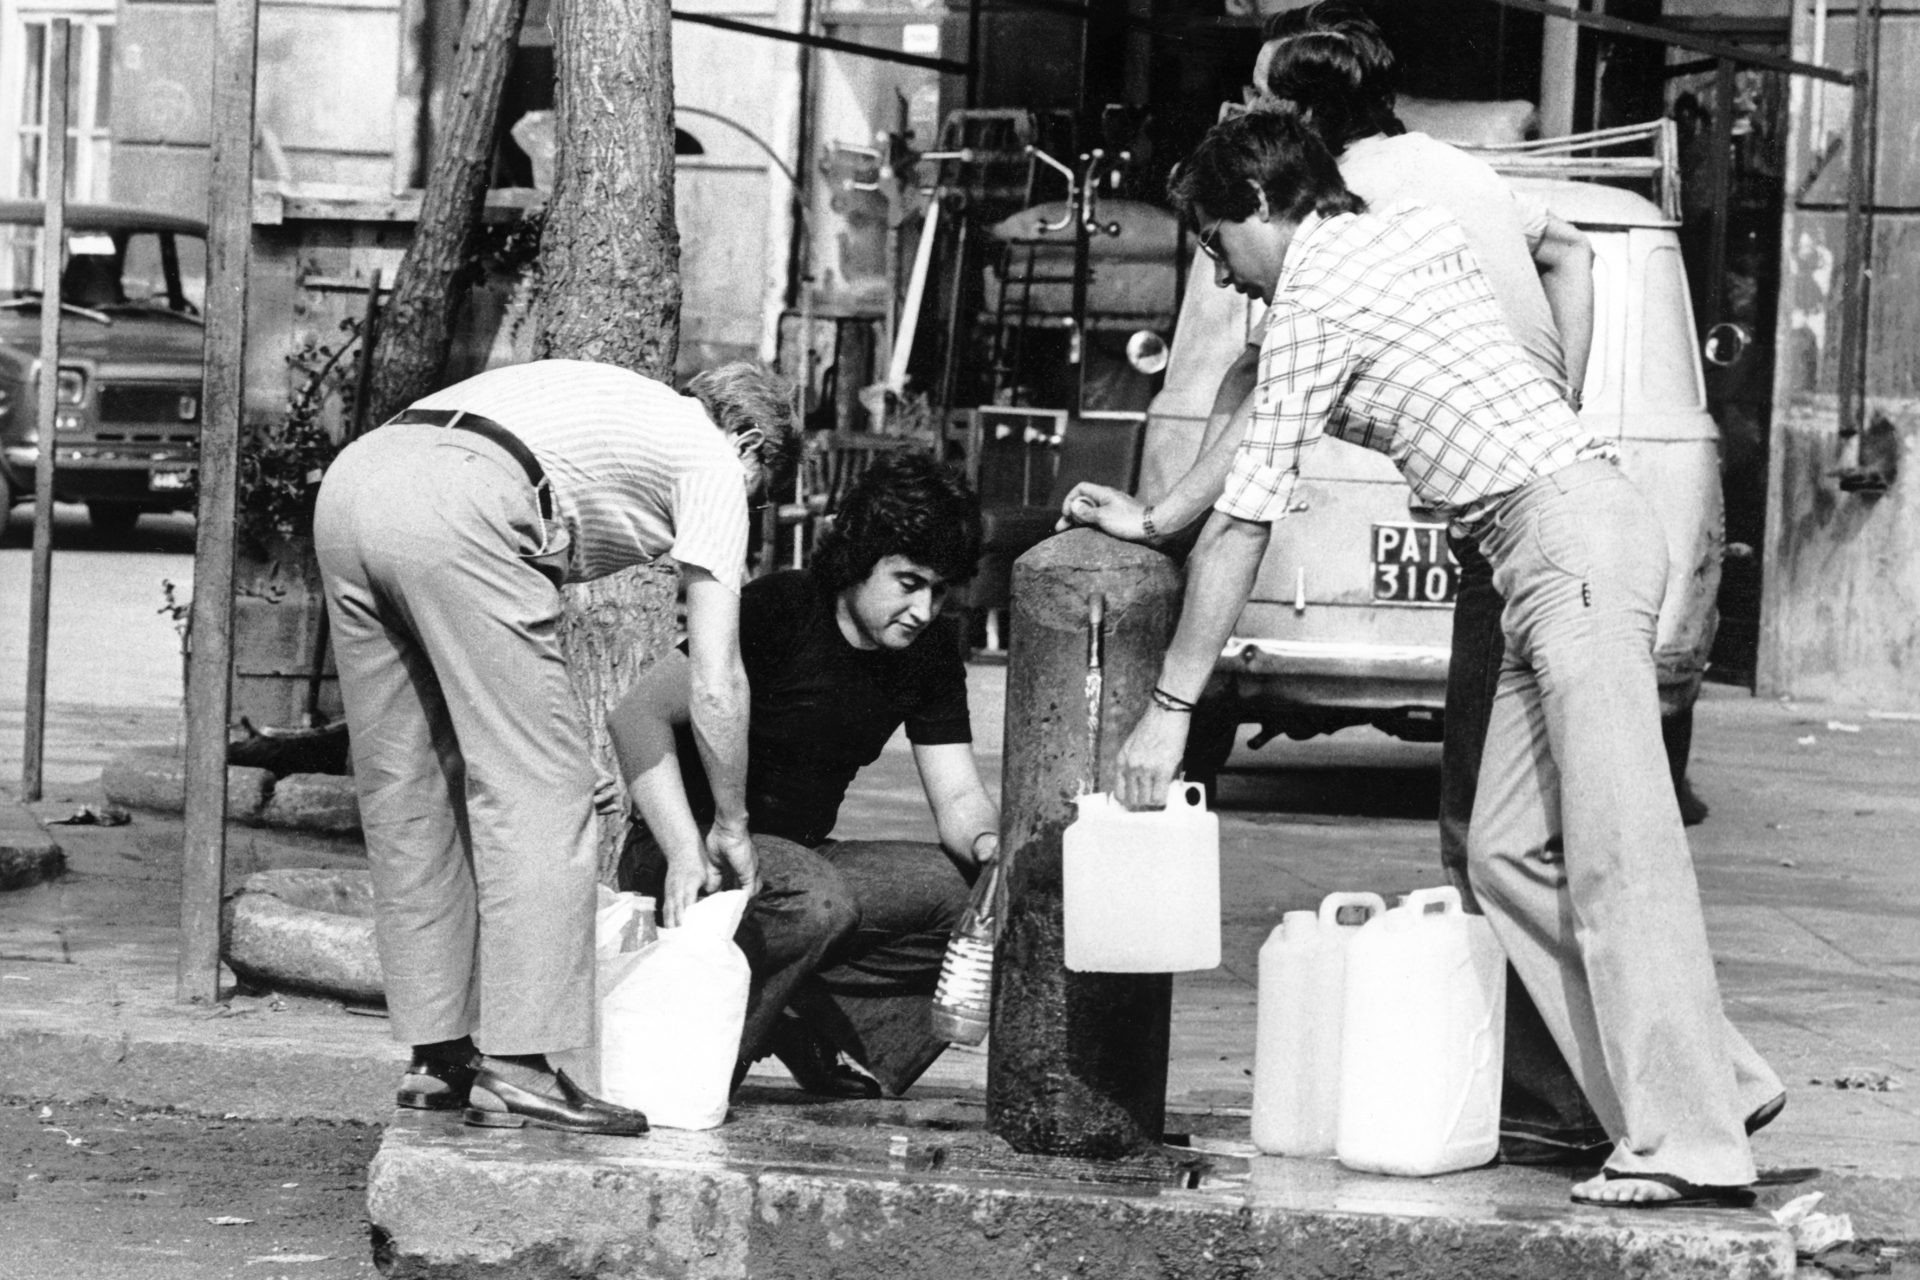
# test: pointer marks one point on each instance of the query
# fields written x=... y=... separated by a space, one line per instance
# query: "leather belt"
x=461 y=420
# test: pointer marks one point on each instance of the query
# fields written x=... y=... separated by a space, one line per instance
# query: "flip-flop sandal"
x=1690 y=1195
x=1789 y=1176
x=1765 y=1114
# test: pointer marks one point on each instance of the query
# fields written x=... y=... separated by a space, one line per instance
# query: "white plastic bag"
x=623 y=924
x=670 y=1018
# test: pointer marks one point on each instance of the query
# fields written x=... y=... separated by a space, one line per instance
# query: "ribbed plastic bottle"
x=1301 y=1003
x=1421 y=1052
x=963 y=996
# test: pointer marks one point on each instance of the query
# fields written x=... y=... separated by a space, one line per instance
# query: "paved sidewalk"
x=1807 y=864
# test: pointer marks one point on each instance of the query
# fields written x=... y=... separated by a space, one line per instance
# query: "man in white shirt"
x=443 y=539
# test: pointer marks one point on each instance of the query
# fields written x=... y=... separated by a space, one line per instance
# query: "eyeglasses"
x=1210 y=240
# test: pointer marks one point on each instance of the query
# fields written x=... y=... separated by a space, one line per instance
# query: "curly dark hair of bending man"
x=1329 y=63
x=909 y=505
x=1268 y=150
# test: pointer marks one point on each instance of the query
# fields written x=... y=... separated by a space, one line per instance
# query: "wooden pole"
x=53 y=244
x=1857 y=267
x=1077 y=1064
x=209 y=672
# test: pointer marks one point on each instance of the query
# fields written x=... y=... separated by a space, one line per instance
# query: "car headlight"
x=72 y=387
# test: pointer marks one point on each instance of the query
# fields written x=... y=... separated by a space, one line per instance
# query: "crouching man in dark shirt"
x=845 y=937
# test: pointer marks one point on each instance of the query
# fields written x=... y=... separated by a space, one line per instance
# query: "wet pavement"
x=916 y=1191
x=1807 y=868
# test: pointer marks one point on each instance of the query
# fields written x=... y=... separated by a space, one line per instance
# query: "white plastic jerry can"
x=1425 y=1034
x=1141 y=889
x=1302 y=1003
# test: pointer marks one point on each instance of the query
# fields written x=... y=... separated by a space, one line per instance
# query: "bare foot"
x=1646 y=1190
x=1623 y=1190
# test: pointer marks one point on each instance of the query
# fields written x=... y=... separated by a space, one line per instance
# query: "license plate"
x=169 y=481
x=1413 y=565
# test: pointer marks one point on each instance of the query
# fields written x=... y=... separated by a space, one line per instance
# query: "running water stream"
x=1096 y=619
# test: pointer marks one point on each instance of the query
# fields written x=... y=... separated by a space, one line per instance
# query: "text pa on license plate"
x=1413 y=565
x=160 y=481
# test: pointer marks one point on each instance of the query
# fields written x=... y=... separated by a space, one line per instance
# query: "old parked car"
x=1350 y=620
x=127 y=424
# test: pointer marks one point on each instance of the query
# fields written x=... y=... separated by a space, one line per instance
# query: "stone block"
x=305 y=930
x=319 y=802
x=157 y=779
x=28 y=855
x=146 y=779
x=248 y=792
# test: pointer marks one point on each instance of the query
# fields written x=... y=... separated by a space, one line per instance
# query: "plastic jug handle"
x=1186 y=795
x=1441 y=900
x=1334 y=903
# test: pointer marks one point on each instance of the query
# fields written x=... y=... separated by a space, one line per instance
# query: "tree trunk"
x=610 y=291
x=610 y=255
x=416 y=331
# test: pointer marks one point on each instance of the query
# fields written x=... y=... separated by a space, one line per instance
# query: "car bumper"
x=1311 y=673
x=1274 y=681
x=107 y=476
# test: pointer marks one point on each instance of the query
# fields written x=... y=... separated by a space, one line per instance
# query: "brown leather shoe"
x=497 y=1103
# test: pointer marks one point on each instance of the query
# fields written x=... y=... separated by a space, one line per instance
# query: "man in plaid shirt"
x=1382 y=330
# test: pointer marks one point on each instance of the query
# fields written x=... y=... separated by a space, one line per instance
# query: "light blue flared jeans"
x=1576 y=850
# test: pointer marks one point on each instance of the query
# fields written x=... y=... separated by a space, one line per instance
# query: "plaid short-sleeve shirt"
x=1384 y=332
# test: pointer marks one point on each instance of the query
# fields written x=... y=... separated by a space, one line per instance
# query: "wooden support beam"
x=53 y=244
x=209 y=673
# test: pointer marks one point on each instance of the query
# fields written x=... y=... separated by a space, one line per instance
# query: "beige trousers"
x=469 y=754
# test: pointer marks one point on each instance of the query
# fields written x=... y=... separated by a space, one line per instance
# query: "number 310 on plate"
x=1412 y=565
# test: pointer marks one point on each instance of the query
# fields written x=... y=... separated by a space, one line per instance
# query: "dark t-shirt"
x=823 y=710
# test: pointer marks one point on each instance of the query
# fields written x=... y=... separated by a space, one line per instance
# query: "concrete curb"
x=202 y=1079
x=776 y=1194
x=69 y=1033
x=28 y=855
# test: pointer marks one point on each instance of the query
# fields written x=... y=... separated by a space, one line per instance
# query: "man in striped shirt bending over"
x=443 y=540
x=1382 y=329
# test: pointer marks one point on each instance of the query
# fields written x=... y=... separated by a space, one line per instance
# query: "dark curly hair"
x=1271 y=150
x=906 y=505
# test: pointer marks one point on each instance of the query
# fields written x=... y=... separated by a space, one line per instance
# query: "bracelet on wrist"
x=1167 y=702
x=1146 y=523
